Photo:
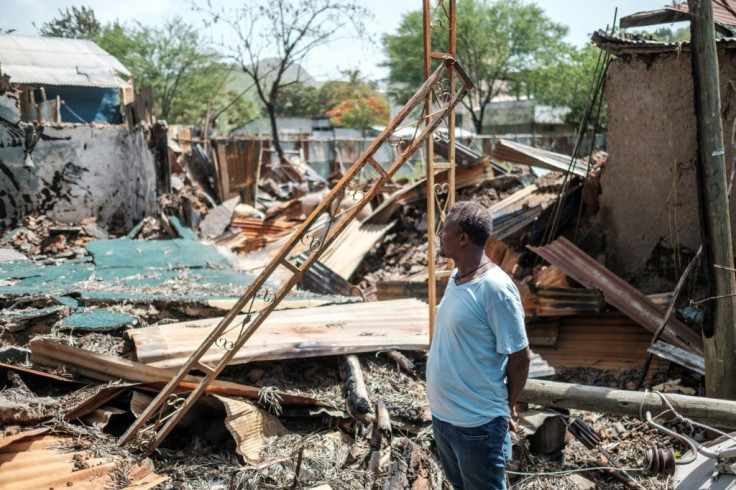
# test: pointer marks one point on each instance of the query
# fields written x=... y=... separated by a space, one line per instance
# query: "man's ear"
x=464 y=238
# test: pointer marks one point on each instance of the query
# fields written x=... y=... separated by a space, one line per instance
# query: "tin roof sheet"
x=327 y=330
x=636 y=45
x=618 y=293
x=58 y=61
x=40 y=459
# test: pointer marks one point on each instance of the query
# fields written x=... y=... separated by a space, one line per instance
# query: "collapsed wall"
x=71 y=171
x=648 y=195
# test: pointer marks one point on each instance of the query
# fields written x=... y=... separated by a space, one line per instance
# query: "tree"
x=174 y=59
x=75 y=23
x=333 y=92
x=565 y=84
x=6 y=31
x=288 y=30
x=666 y=34
x=298 y=100
x=496 y=42
x=360 y=113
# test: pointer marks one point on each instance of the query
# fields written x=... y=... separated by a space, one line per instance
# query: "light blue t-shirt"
x=478 y=324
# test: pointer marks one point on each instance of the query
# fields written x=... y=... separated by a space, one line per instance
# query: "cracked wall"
x=70 y=172
x=648 y=188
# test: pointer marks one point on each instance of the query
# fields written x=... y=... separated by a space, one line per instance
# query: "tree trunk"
x=271 y=108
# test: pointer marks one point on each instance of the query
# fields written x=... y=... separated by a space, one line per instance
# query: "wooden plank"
x=110 y=368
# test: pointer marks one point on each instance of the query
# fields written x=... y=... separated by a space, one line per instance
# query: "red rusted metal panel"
x=618 y=293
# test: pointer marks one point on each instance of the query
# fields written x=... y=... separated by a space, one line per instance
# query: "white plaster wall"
x=77 y=172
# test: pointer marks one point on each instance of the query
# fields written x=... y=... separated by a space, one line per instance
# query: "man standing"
x=479 y=341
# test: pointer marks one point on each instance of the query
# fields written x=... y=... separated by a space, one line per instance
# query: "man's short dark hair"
x=474 y=219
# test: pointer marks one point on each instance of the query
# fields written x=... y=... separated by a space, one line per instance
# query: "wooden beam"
x=709 y=411
x=105 y=368
x=719 y=330
x=653 y=17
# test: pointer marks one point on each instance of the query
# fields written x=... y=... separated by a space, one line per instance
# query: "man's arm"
x=517 y=370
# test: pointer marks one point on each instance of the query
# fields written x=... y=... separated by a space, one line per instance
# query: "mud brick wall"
x=648 y=188
x=72 y=171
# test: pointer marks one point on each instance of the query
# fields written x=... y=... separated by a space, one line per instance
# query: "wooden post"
x=206 y=129
x=710 y=411
x=719 y=331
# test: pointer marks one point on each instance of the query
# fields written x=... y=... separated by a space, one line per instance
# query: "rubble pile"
x=39 y=236
x=97 y=322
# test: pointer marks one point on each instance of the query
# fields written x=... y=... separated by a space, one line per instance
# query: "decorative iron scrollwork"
x=265 y=295
x=442 y=20
x=145 y=438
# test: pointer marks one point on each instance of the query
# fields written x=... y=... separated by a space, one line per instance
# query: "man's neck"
x=471 y=261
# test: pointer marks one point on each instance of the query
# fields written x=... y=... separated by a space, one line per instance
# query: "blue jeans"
x=474 y=458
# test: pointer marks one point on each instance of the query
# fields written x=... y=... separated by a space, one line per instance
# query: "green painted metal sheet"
x=98 y=320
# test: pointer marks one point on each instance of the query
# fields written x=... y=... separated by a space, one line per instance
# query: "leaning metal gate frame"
x=441 y=18
x=167 y=400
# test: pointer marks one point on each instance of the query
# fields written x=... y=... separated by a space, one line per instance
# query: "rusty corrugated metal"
x=720 y=13
x=520 y=154
x=464 y=177
x=619 y=46
x=327 y=330
x=346 y=253
x=237 y=162
x=321 y=279
x=617 y=292
x=607 y=340
x=38 y=459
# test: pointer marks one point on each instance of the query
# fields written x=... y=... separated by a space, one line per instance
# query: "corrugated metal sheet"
x=237 y=167
x=321 y=279
x=327 y=330
x=618 y=46
x=38 y=459
x=720 y=13
x=603 y=341
x=57 y=61
x=464 y=177
x=510 y=151
x=617 y=292
x=346 y=253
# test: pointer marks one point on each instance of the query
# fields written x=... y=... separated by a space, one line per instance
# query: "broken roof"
x=723 y=13
x=637 y=45
x=59 y=61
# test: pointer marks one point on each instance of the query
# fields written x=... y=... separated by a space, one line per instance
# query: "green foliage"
x=566 y=84
x=497 y=43
x=298 y=100
x=288 y=30
x=351 y=103
x=233 y=109
x=666 y=34
x=6 y=31
x=360 y=113
x=173 y=59
x=75 y=23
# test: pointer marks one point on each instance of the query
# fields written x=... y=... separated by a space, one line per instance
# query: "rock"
x=580 y=482
x=10 y=255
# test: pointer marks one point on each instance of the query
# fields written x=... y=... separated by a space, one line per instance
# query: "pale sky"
x=582 y=17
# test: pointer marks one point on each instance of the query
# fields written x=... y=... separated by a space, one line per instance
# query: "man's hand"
x=517 y=370
x=513 y=424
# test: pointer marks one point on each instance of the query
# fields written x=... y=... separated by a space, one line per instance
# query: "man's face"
x=449 y=238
